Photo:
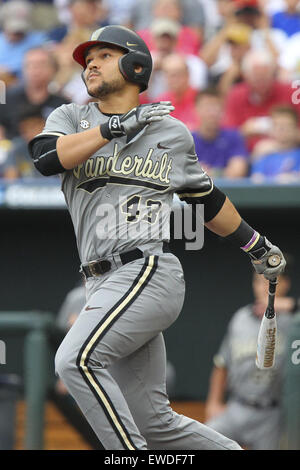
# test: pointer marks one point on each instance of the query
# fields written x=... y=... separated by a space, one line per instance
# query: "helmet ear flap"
x=129 y=61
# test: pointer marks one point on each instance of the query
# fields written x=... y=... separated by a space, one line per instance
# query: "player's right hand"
x=138 y=117
x=262 y=264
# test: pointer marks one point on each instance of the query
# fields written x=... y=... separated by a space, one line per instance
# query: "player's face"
x=102 y=75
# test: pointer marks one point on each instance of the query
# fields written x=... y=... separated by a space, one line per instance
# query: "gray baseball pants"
x=256 y=429
x=113 y=359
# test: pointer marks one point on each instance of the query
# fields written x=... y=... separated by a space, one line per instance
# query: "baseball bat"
x=266 y=341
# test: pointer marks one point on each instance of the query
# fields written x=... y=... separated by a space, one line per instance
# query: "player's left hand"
x=271 y=263
x=138 y=117
x=144 y=114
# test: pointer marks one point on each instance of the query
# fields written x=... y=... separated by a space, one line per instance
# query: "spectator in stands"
x=216 y=52
x=264 y=36
x=120 y=11
x=251 y=413
x=278 y=157
x=5 y=146
x=289 y=60
x=165 y=39
x=226 y=10
x=238 y=39
x=270 y=7
x=288 y=20
x=180 y=93
x=63 y=11
x=188 y=41
x=214 y=16
x=86 y=15
x=249 y=103
x=44 y=15
x=39 y=69
x=68 y=81
x=221 y=152
x=191 y=14
x=16 y=38
x=19 y=163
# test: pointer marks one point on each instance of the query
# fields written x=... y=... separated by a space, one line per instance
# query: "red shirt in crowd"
x=187 y=43
x=240 y=105
x=185 y=109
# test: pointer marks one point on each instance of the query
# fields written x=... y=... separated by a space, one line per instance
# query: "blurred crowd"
x=230 y=67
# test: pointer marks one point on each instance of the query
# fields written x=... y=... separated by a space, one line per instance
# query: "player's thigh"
x=142 y=379
x=125 y=311
x=143 y=303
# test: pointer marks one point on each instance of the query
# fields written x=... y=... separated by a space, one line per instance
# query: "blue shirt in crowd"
x=12 y=53
x=217 y=152
x=275 y=164
x=290 y=24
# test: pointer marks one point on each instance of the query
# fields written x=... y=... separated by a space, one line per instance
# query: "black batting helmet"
x=136 y=52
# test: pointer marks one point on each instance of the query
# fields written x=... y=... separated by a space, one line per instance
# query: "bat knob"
x=274 y=260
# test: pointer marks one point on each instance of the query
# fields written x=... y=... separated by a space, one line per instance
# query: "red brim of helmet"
x=79 y=51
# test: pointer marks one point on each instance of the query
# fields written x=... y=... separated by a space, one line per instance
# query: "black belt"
x=96 y=268
x=256 y=404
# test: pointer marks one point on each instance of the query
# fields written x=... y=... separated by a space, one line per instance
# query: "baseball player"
x=120 y=165
x=252 y=412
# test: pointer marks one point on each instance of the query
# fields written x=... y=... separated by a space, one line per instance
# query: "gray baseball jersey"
x=121 y=196
x=113 y=358
x=237 y=353
x=252 y=415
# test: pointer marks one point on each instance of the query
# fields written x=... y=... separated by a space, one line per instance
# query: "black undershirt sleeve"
x=44 y=155
x=213 y=202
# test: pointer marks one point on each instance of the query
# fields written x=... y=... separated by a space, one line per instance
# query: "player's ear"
x=138 y=68
x=82 y=76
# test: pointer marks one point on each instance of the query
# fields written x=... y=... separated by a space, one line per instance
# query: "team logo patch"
x=84 y=124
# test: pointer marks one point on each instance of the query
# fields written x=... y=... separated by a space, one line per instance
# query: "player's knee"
x=65 y=362
x=161 y=418
x=233 y=445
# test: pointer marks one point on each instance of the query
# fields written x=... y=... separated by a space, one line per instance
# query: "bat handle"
x=273 y=261
x=270 y=312
x=272 y=286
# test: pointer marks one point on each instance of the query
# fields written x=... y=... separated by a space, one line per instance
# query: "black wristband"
x=105 y=131
x=112 y=128
x=250 y=241
x=242 y=234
